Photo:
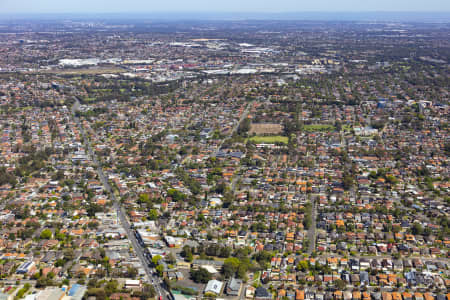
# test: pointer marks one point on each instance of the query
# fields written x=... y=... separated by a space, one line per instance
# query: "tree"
x=303 y=266
x=46 y=234
x=307 y=221
x=189 y=257
x=60 y=262
x=148 y=291
x=230 y=266
x=244 y=127
x=160 y=270
x=153 y=214
x=242 y=252
x=187 y=253
x=98 y=293
x=111 y=287
x=93 y=208
x=144 y=198
x=132 y=272
x=156 y=259
x=225 y=252
x=200 y=276
x=6 y=177
x=69 y=254
x=347 y=181
x=417 y=228
x=242 y=271
x=263 y=257
x=176 y=195
x=340 y=284
x=93 y=225
x=50 y=275
x=22 y=291
x=59 y=175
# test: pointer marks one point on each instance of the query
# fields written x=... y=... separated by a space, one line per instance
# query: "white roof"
x=132 y=282
x=210 y=269
x=214 y=286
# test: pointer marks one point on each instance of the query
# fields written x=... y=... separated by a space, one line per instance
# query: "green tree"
x=200 y=276
x=417 y=228
x=153 y=214
x=132 y=272
x=263 y=257
x=242 y=271
x=303 y=266
x=160 y=270
x=148 y=291
x=46 y=234
x=156 y=259
x=340 y=284
x=230 y=266
x=187 y=253
x=347 y=181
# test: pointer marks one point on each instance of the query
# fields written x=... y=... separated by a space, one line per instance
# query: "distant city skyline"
x=257 y=6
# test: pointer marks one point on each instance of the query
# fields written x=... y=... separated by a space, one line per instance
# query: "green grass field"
x=347 y=127
x=318 y=127
x=269 y=139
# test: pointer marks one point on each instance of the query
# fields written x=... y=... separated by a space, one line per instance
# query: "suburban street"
x=235 y=128
x=121 y=214
x=312 y=228
x=244 y=115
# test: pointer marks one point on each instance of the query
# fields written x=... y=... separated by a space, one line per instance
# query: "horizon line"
x=227 y=12
x=442 y=17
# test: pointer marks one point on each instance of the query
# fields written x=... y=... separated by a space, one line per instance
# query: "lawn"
x=272 y=139
x=89 y=99
x=319 y=127
x=347 y=128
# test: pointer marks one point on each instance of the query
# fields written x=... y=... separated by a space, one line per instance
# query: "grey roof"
x=234 y=285
x=262 y=292
x=376 y=295
x=208 y=262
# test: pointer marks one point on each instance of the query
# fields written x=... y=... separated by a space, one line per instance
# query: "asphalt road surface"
x=312 y=229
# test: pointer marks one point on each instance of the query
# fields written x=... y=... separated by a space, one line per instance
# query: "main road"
x=244 y=115
x=121 y=214
x=312 y=228
x=235 y=128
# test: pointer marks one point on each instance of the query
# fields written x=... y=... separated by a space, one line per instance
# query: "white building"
x=214 y=286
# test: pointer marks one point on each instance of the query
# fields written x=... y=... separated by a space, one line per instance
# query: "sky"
x=262 y=6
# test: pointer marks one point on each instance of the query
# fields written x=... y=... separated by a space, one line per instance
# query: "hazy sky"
x=117 y=6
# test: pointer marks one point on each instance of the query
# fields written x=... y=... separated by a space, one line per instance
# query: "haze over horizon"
x=202 y=6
